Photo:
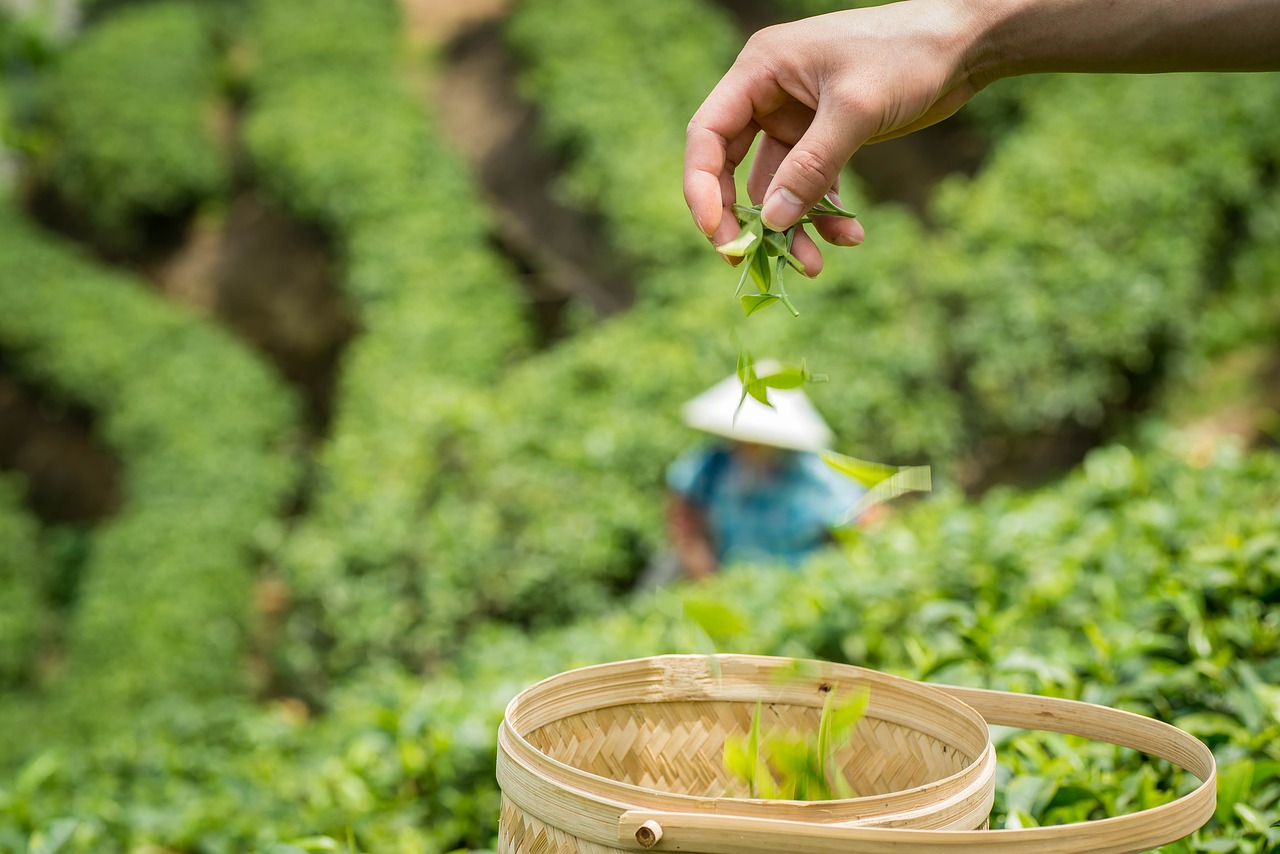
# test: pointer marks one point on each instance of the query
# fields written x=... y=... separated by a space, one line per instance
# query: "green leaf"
x=761 y=271
x=1234 y=783
x=737 y=759
x=751 y=303
x=718 y=619
x=742 y=279
x=849 y=714
x=864 y=471
x=744 y=243
x=828 y=207
x=1252 y=819
x=785 y=378
x=885 y=482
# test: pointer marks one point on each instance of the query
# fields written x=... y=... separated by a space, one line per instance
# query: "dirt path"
x=561 y=253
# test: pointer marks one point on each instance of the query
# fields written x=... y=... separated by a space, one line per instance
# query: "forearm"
x=1013 y=37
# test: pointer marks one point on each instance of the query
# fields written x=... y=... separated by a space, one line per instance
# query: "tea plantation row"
x=1121 y=232
x=1143 y=582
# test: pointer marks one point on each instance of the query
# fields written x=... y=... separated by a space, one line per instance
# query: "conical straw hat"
x=792 y=422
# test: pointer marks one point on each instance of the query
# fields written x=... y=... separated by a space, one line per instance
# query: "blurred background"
x=342 y=346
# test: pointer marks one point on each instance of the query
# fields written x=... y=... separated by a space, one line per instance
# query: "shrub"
x=347 y=145
x=21 y=569
x=201 y=427
x=131 y=109
x=614 y=77
x=1141 y=582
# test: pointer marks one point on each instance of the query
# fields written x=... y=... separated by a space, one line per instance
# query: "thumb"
x=811 y=168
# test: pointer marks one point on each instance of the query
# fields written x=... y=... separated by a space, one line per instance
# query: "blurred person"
x=759 y=491
x=817 y=89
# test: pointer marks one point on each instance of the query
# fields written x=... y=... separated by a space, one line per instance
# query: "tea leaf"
x=719 y=620
x=844 y=718
x=761 y=271
x=884 y=482
x=751 y=303
x=741 y=245
x=788 y=764
x=865 y=472
x=1234 y=782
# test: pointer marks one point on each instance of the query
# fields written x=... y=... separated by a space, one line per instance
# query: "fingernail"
x=781 y=209
x=697 y=221
x=847 y=240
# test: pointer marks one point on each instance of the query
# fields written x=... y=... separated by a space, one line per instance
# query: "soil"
x=71 y=478
x=273 y=282
x=562 y=253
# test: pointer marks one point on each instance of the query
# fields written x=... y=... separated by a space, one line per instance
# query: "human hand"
x=814 y=91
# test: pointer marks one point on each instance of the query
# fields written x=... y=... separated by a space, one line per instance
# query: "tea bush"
x=339 y=137
x=22 y=566
x=202 y=430
x=611 y=77
x=993 y=326
x=473 y=495
x=132 y=119
x=1143 y=581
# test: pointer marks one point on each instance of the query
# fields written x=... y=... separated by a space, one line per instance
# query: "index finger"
x=717 y=139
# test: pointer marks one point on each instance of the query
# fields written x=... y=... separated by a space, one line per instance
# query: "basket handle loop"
x=1126 y=834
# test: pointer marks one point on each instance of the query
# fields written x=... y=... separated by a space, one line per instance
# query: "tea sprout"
x=766 y=254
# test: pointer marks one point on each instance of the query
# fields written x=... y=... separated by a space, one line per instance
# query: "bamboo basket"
x=627 y=757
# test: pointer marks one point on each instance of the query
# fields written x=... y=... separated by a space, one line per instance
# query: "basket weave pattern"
x=677 y=747
x=519 y=831
x=626 y=757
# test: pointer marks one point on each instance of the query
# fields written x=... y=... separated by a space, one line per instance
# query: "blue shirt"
x=782 y=514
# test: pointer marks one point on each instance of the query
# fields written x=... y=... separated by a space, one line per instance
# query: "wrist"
x=992 y=36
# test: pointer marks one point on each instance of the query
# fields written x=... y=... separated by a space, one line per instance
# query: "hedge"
x=337 y=135
x=995 y=327
x=202 y=429
x=1142 y=582
x=615 y=85
x=1072 y=272
x=22 y=574
x=131 y=109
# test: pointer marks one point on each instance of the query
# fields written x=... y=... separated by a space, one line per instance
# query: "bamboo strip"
x=653 y=725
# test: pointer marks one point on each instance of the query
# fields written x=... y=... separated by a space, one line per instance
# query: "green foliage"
x=619 y=74
x=21 y=565
x=1110 y=267
x=792 y=765
x=1071 y=271
x=200 y=426
x=131 y=109
x=336 y=134
x=1141 y=582
x=470 y=491
x=554 y=497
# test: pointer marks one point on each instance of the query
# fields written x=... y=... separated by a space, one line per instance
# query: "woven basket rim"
x=963 y=780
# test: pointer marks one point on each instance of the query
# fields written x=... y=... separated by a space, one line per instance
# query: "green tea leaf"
x=848 y=715
x=784 y=378
x=865 y=472
x=885 y=482
x=717 y=619
x=737 y=759
x=761 y=272
x=743 y=243
x=1234 y=783
x=751 y=303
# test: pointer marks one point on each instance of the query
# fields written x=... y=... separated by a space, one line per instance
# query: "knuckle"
x=810 y=167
